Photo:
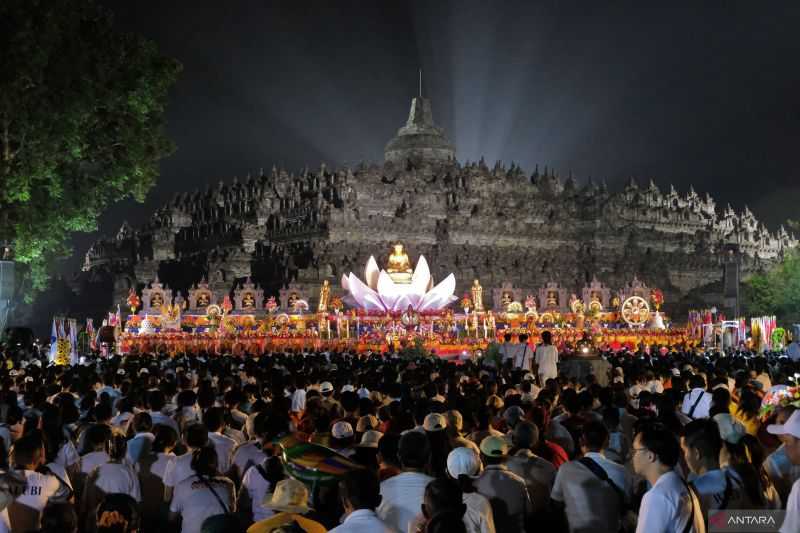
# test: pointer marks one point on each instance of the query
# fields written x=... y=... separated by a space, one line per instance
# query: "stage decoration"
x=477 y=296
x=299 y=305
x=778 y=338
x=227 y=306
x=657 y=298
x=394 y=289
x=133 y=300
x=635 y=311
x=170 y=317
x=324 y=294
x=779 y=396
x=514 y=308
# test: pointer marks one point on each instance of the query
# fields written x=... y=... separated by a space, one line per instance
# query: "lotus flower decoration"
x=381 y=293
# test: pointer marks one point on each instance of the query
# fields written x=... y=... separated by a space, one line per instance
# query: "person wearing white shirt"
x=202 y=494
x=670 y=506
x=180 y=467
x=463 y=464
x=717 y=488
x=546 y=359
x=593 y=490
x=214 y=419
x=790 y=436
x=697 y=403
x=360 y=494
x=402 y=495
x=39 y=488
x=156 y=401
x=98 y=437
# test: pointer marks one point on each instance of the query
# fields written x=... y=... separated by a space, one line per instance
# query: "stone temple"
x=288 y=232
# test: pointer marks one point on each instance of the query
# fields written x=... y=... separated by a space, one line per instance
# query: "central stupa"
x=420 y=140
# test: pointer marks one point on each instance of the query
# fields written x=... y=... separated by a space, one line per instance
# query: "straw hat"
x=290 y=496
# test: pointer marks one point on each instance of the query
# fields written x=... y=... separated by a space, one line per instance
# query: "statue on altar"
x=292 y=299
x=324 y=294
x=410 y=318
x=248 y=301
x=477 y=296
x=399 y=266
x=203 y=300
x=616 y=302
x=156 y=300
x=489 y=325
x=552 y=299
x=576 y=305
x=505 y=299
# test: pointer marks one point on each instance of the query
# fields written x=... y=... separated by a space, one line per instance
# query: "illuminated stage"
x=396 y=308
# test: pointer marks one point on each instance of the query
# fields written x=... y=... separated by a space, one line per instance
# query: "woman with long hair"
x=747 y=412
x=203 y=494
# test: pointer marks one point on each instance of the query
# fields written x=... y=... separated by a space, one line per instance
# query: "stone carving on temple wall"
x=248 y=297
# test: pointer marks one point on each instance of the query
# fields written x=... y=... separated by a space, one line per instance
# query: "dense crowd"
x=148 y=442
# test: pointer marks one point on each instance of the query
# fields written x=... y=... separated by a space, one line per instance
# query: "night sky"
x=702 y=93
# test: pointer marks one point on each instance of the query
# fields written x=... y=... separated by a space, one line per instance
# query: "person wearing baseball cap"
x=342 y=437
x=789 y=433
x=463 y=465
x=499 y=484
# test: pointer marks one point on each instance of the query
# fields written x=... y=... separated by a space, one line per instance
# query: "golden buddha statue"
x=399 y=267
x=477 y=296
x=248 y=301
x=324 y=294
x=156 y=300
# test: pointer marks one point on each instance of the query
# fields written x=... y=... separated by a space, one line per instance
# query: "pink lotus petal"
x=371 y=273
x=440 y=296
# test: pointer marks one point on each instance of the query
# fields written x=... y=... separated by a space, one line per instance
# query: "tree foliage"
x=775 y=291
x=81 y=123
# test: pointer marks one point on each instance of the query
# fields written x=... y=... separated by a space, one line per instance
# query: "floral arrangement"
x=226 y=304
x=657 y=297
x=514 y=307
x=336 y=304
x=271 y=304
x=466 y=301
x=530 y=302
x=133 y=300
x=779 y=398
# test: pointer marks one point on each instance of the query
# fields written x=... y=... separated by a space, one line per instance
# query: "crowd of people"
x=148 y=442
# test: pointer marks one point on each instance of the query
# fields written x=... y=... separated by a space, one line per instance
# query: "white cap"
x=348 y=388
x=326 y=386
x=342 y=430
x=463 y=461
x=791 y=427
x=363 y=393
x=370 y=439
x=434 y=422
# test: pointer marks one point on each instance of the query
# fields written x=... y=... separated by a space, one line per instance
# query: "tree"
x=775 y=291
x=81 y=124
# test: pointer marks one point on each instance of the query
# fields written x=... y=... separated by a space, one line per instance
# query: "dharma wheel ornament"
x=635 y=311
